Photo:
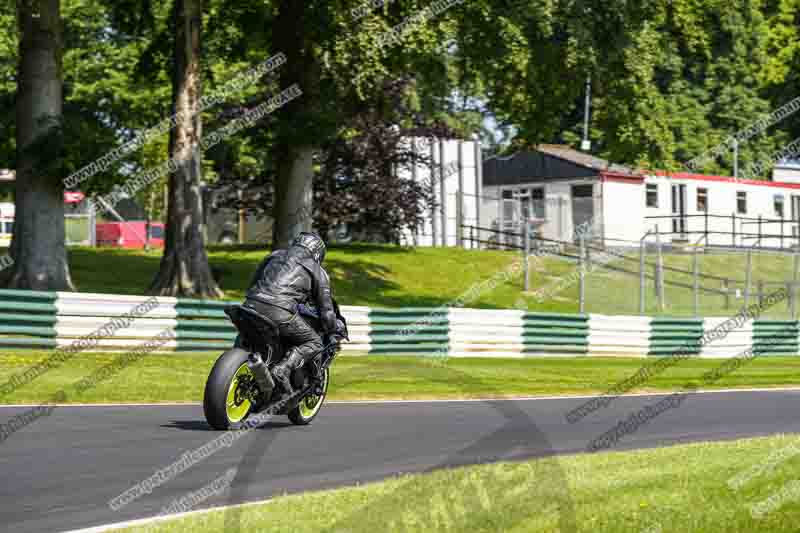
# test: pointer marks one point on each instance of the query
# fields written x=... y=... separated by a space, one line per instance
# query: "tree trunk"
x=293 y=194
x=37 y=246
x=184 y=269
x=293 y=190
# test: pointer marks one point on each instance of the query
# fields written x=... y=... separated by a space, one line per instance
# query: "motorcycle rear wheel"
x=309 y=406
x=226 y=402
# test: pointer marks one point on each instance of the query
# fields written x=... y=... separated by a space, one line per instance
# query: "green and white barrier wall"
x=58 y=319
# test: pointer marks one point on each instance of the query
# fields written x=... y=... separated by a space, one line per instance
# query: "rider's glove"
x=333 y=339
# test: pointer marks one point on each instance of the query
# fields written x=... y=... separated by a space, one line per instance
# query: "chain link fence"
x=499 y=220
x=690 y=280
x=650 y=277
x=78 y=230
x=79 y=224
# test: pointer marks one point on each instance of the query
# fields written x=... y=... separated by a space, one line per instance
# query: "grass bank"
x=362 y=274
x=393 y=276
x=676 y=489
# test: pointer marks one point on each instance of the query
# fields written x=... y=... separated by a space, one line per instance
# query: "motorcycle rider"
x=283 y=281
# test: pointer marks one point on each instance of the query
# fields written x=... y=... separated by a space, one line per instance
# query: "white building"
x=6 y=223
x=562 y=188
x=455 y=179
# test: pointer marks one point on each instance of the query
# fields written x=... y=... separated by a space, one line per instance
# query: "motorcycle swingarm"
x=291 y=404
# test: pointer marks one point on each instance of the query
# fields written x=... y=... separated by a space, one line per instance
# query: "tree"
x=362 y=184
x=670 y=78
x=37 y=246
x=365 y=177
x=9 y=63
x=293 y=186
x=337 y=61
x=184 y=266
x=782 y=72
x=664 y=102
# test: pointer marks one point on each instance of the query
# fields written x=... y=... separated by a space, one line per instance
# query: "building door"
x=679 y=210
x=523 y=196
x=796 y=217
x=509 y=217
x=582 y=211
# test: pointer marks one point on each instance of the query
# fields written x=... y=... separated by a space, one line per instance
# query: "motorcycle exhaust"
x=261 y=372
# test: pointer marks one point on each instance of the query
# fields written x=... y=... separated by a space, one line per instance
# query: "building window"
x=702 y=199
x=537 y=199
x=524 y=199
x=652 y=194
x=778 y=203
x=741 y=202
x=509 y=207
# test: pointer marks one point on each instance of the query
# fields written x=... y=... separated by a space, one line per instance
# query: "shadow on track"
x=202 y=425
x=499 y=491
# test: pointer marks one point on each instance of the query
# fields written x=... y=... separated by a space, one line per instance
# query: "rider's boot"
x=283 y=370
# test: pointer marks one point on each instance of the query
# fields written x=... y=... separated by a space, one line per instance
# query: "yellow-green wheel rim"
x=310 y=405
x=237 y=407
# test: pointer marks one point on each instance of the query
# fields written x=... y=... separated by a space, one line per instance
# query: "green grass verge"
x=611 y=292
x=676 y=489
x=374 y=275
x=181 y=377
x=392 y=276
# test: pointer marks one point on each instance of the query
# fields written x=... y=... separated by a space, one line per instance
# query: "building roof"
x=552 y=162
x=728 y=179
x=546 y=163
x=584 y=159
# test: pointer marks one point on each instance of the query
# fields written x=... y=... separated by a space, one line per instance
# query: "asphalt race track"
x=61 y=470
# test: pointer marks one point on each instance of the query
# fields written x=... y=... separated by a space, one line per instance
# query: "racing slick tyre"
x=227 y=400
x=309 y=407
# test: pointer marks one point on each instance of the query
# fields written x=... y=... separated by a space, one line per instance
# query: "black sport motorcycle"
x=241 y=383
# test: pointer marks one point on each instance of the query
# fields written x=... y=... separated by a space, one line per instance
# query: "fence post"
x=696 y=283
x=526 y=255
x=660 y=268
x=588 y=251
x=442 y=193
x=705 y=215
x=792 y=294
x=459 y=214
x=432 y=191
x=747 y=276
x=760 y=285
x=733 y=229
x=582 y=275
x=655 y=282
x=759 y=231
x=241 y=219
x=727 y=286
x=642 y=283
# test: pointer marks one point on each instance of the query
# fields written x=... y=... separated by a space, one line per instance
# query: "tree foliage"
x=366 y=176
x=671 y=79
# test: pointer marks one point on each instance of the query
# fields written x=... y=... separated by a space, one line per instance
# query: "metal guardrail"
x=758 y=237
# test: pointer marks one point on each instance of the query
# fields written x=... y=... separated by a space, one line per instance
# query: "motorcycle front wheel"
x=309 y=406
x=227 y=400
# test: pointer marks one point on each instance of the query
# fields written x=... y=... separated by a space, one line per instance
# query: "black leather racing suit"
x=283 y=280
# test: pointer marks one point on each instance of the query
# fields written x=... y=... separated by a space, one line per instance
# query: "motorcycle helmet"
x=313 y=243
